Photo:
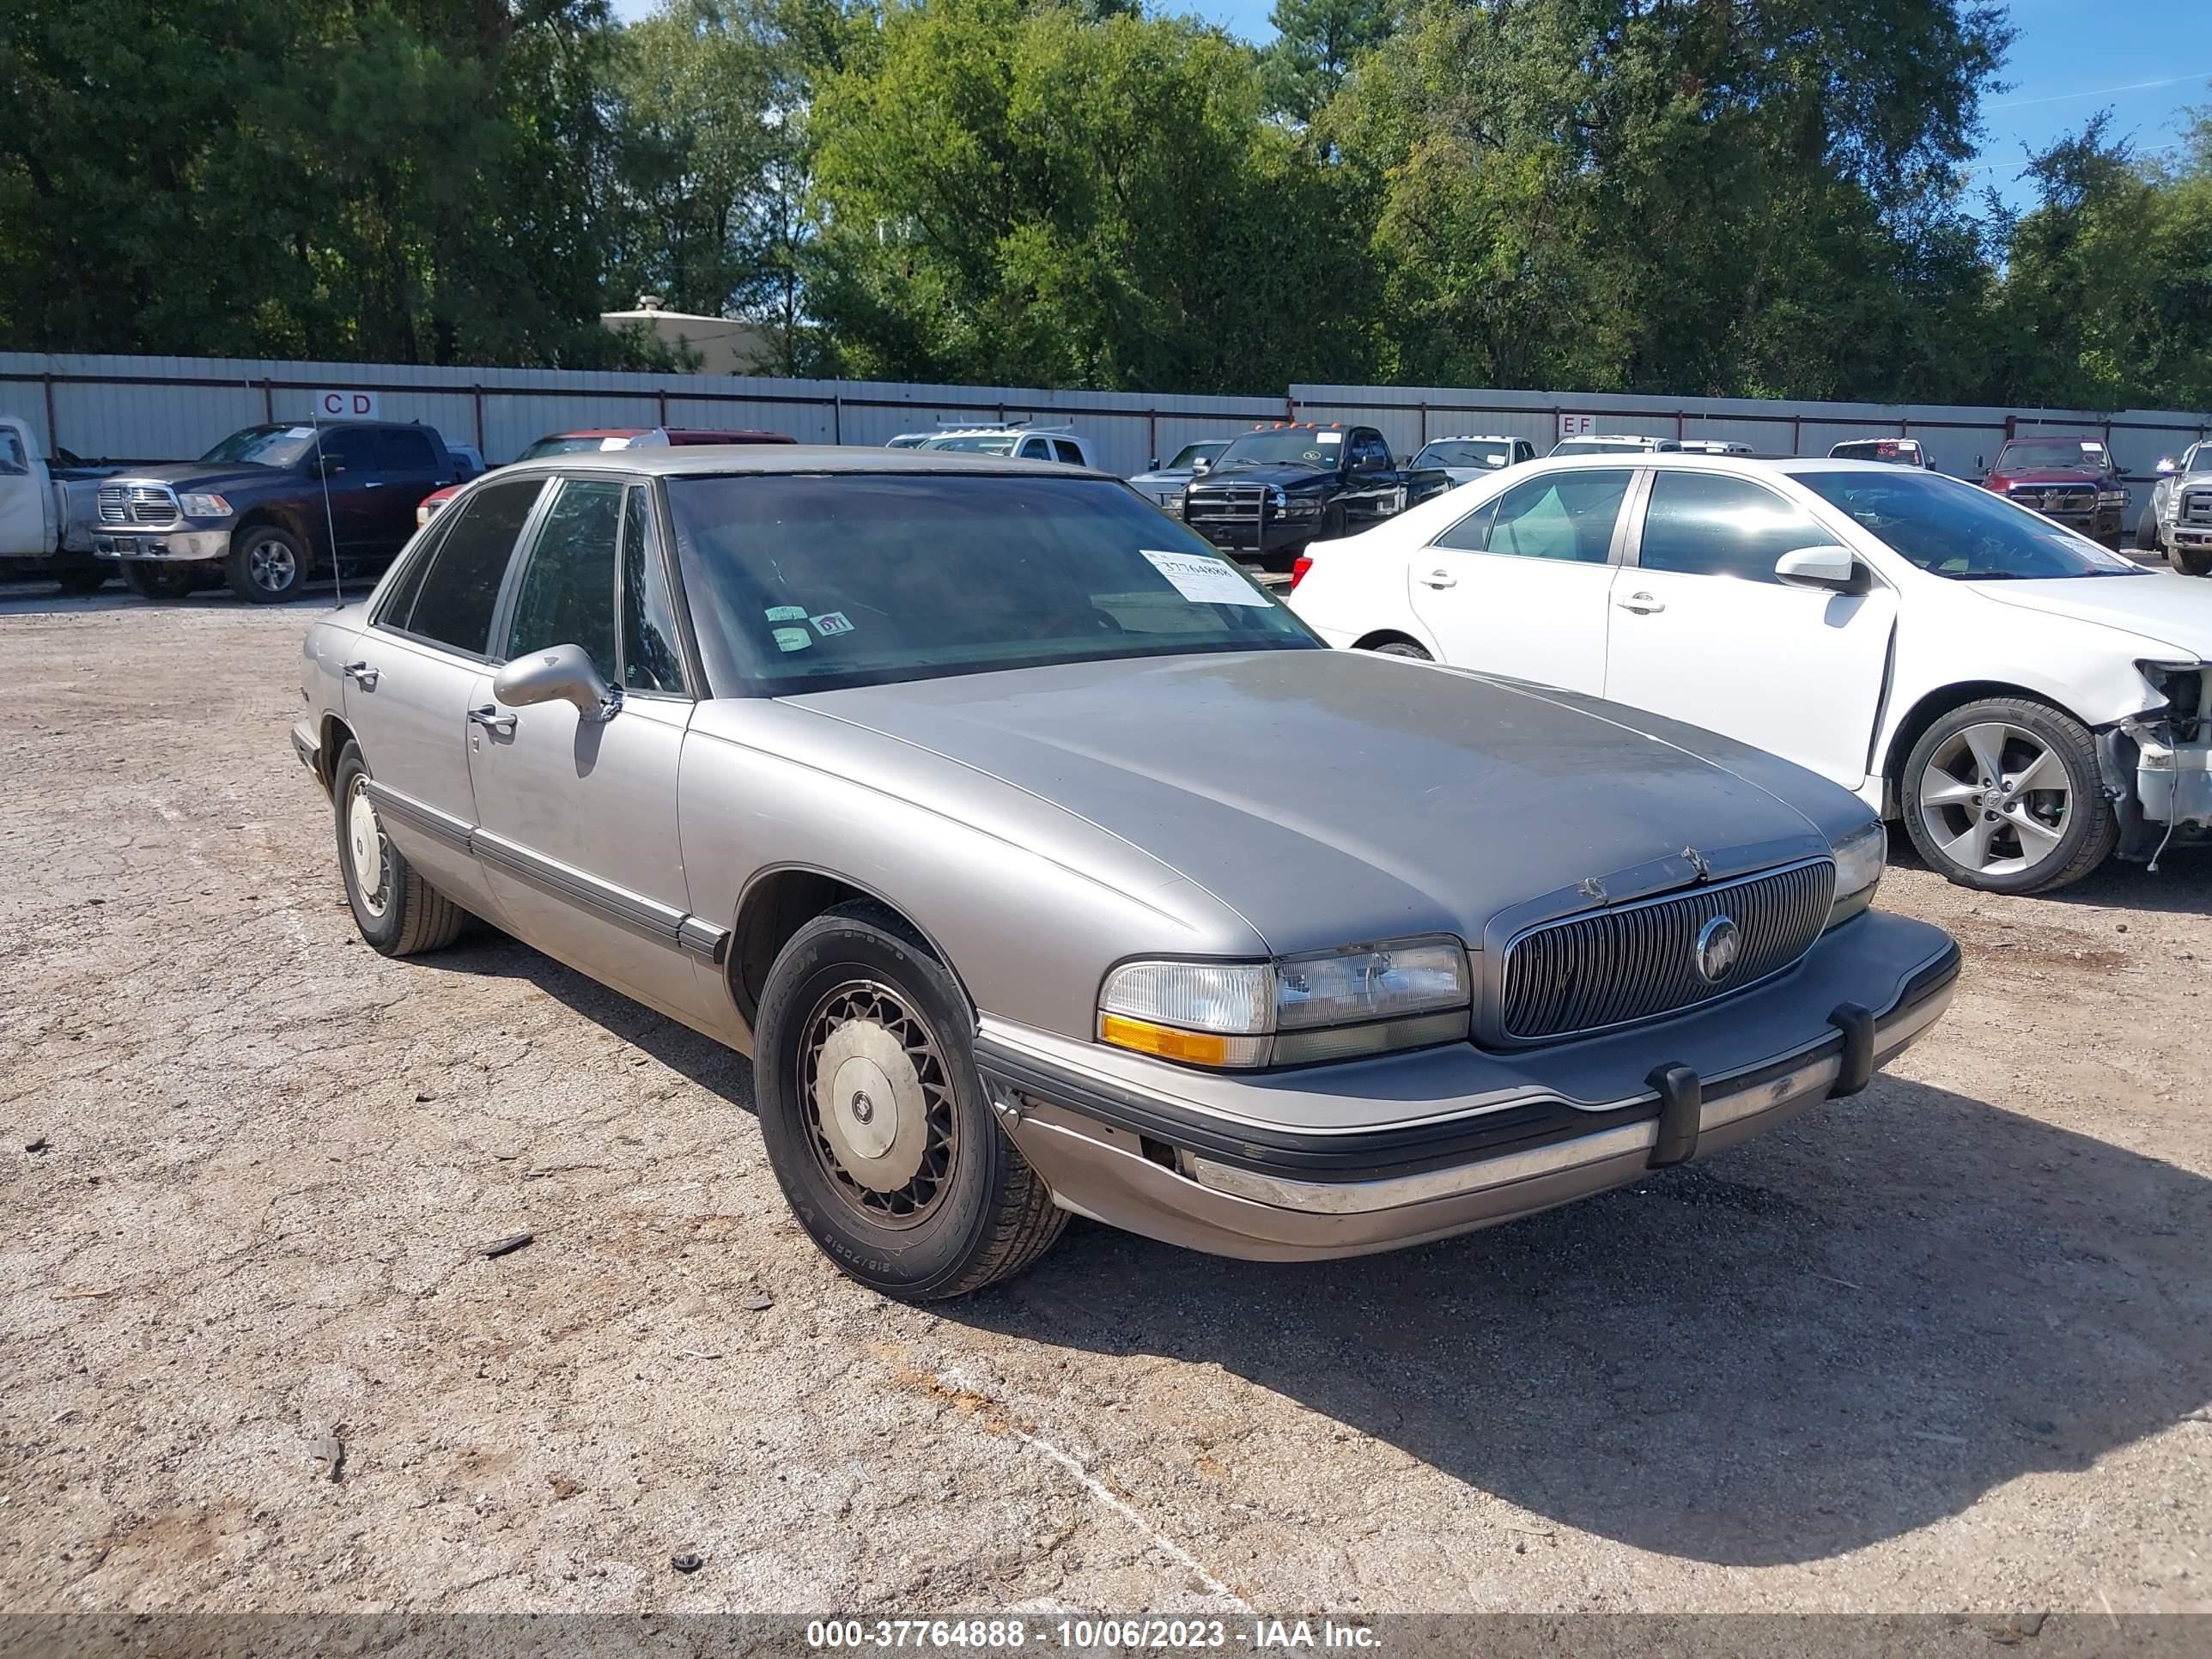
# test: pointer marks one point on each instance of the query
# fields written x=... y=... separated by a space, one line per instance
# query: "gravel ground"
x=1946 y=1346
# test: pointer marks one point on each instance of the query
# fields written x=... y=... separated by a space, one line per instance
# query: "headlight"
x=1331 y=1005
x=1300 y=506
x=1276 y=500
x=203 y=507
x=1859 y=858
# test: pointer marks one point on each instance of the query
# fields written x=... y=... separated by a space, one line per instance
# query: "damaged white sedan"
x=2028 y=702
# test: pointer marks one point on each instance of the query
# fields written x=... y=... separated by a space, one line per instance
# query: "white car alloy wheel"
x=1996 y=798
x=365 y=840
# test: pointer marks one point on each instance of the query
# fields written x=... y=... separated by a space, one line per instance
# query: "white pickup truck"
x=46 y=522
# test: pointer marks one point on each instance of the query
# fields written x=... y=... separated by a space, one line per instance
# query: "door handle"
x=372 y=484
x=362 y=675
x=1440 y=578
x=1642 y=603
x=489 y=717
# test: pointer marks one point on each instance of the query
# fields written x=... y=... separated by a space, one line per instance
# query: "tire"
x=160 y=582
x=268 y=564
x=1967 y=838
x=1405 y=648
x=2147 y=539
x=89 y=577
x=402 y=915
x=2193 y=561
x=857 y=987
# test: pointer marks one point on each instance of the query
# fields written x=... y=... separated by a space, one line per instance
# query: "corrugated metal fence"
x=146 y=408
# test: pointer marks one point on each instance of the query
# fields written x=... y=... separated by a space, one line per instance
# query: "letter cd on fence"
x=346 y=406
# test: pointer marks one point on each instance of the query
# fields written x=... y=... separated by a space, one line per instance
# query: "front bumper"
x=178 y=546
x=1414 y=1147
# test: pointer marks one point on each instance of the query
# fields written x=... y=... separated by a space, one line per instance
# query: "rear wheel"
x=160 y=582
x=88 y=577
x=397 y=912
x=876 y=1120
x=2004 y=795
x=268 y=564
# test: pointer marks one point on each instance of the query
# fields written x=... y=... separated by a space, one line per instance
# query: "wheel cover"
x=878 y=1100
x=370 y=851
x=269 y=565
x=1996 y=798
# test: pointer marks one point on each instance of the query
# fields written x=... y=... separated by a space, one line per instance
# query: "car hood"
x=1330 y=797
x=203 y=475
x=1290 y=476
x=2160 y=606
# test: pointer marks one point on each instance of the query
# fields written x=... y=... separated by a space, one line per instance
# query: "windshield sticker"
x=830 y=623
x=1493 y=460
x=792 y=639
x=2093 y=449
x=785 y=613
x=1205 y=581
x=299 y=432
x=1329 y=437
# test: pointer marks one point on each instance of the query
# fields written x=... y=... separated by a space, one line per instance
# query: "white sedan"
x=2026 y=701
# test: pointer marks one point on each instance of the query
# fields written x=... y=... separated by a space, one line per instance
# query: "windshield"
x=1950 y=528
x=1464 y=451
x=569 y=445
x=1190 y=455
x=263 y=446
x=1291 y=446
x=1601 y=446
x=1897 y=450
x=802 y=583
x=2076 y=454
x=976 y=443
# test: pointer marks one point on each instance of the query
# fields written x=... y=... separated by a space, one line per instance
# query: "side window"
x=1036 y=449
x=399 y=450
x=350 y=448
x=400 y=600
x=1568 y=516
x=1471 y=533
x=568 y=592
x=1523 y=449
x=1704 y=524
x=13 y=461
x=1068 y=453
x=460 y=589
x=1369 y=453
x=652 y=661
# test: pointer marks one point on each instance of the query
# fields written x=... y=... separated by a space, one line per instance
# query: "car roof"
x=707 y=461
x=1472 y=438
x=2054 y=437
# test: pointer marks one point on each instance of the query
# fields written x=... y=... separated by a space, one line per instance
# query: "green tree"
x=1011 y=193
x=1316 y=44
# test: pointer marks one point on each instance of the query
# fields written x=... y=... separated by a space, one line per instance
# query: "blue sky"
x=2147 y=59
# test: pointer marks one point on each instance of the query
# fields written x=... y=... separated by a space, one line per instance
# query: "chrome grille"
x=1636 y=961
x=137 y=504
x=2196 y=509
x=2057 y=498
x=1239 y=502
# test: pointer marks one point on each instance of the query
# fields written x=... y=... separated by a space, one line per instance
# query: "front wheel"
x=88 y=576
x=2193 y=561
x=2005 y=796
x=267 y=565
x=2147 y=539
x=160 y=582
x=875 y=1118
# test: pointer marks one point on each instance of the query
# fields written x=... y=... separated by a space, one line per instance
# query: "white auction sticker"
x=1205 y=581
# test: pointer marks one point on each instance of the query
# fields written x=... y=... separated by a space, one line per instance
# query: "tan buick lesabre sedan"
x=1044 y=864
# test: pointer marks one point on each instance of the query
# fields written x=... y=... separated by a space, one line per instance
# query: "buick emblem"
x=1718 y=945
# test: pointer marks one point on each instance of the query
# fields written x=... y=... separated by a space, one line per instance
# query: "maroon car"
x=611 y=437
x=2071 y=479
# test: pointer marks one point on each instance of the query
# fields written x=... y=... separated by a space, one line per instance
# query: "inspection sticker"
x=1205 y=581
x=785 y=613
x=830 y=621
x=792 y=639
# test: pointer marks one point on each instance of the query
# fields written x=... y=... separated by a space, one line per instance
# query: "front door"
x=22 y=500
x=1519 y=586
x=1705 y=631
x=576 y=815
x=352 y=492
x=407 y=694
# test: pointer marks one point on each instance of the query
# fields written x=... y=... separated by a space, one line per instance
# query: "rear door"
x=407 y=696
x=1702 y=630
x=1519 y=586
x=577 y=821
x=24 y=494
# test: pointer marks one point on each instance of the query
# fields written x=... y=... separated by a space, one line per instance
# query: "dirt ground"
x=1945 y=1345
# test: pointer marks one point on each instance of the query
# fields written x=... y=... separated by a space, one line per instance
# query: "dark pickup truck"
x=1280 y=486
x=2074 y=480
x=269 y=505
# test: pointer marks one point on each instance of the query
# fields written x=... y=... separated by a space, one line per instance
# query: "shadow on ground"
x=1830 y=1337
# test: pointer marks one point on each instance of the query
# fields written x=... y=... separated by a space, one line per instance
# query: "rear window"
x=801 y=583
x=460 y=584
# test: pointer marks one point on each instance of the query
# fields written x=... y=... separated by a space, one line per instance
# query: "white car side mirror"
x=1820 y=567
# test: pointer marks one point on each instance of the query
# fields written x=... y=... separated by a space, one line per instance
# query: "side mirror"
x=561 y=673
x=1152 y=465
x=2166 y=469
x=1199 y=466
x=1829 y=566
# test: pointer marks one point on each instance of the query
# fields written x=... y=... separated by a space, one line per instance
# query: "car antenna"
x=330 y=524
